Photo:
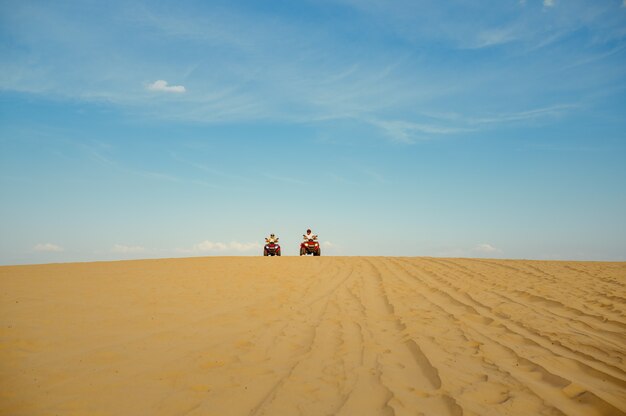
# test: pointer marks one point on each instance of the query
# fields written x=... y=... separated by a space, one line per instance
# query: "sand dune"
x=313 y=336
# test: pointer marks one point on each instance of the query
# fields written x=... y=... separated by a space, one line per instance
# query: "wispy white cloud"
x=120 y=248
x=48 y=247
x=479 y=250
x=408 y=132
x=101 y=153
x=298 y=72
x=494 y=37
x=551 y=111
x=473 y=121
x=163 y=86
x=485 y=248
x=455 y=23
x=591 y=58
x=330 y=248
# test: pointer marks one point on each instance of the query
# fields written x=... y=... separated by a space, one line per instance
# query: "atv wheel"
x=302 y=251
x=265 y=252
x=318 y=252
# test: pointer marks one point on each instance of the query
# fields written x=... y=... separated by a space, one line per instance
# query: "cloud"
x=234 y=247
x=48 y=247
x=552 y=111
x=258 y=79
x=331 y=249
x=162 y=86
x=485 y=248
x=476 y=121
x=495 y=37
x=120 y=248
x=405 y=132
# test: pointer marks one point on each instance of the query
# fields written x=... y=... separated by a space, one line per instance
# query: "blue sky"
x=162 y=128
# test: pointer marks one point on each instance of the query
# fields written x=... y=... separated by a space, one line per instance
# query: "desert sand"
x=313 y=336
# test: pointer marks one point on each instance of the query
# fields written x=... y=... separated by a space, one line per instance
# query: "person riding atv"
x=271 y=247
x=310 y=245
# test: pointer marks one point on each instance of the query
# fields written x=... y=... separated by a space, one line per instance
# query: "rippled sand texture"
x=313 y=336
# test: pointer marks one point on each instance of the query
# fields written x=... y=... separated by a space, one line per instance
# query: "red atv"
x=271 y=249
x=310 y=247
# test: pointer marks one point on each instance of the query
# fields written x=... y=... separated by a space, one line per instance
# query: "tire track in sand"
x=407 y=371
x=316 y=308
x=516 y=349
x=544 y=320
x=344 y=364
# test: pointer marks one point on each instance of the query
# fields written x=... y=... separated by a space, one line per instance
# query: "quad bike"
x=271 y=249
x=310 y=247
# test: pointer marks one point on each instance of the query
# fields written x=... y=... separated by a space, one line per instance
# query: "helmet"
x=308 y=230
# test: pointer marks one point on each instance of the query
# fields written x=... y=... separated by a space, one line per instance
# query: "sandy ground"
x=313 y=336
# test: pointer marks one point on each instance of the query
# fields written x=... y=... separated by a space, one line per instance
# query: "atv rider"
x=309 y=236
x=271 y=239
x=310 y=244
